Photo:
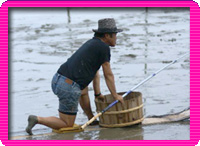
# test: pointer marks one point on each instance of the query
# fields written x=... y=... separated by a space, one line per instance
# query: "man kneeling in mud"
x=71 y=81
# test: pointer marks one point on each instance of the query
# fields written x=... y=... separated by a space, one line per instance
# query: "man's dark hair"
x=102 y=35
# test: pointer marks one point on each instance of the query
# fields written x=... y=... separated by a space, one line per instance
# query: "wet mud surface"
x=40 y=40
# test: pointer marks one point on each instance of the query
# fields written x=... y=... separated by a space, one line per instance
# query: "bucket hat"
x=107 y=25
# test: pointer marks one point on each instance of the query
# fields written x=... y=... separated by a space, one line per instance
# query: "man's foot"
x=94 y=123
x=32 y=120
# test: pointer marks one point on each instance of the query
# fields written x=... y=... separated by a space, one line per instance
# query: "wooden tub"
x=119 y=116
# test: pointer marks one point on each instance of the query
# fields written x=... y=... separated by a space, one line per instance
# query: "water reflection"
x=68 y=14
x=126 y=133
x=97 y=133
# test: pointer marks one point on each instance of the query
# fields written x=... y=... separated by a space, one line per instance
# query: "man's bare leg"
x=64 y=120
x=85 y=103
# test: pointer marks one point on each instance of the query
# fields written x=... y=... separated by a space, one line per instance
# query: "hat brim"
x=107 y=31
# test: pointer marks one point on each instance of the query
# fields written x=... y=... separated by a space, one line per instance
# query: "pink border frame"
x=194 y=70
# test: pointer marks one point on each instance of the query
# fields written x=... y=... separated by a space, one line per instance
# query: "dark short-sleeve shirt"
x=82 y=66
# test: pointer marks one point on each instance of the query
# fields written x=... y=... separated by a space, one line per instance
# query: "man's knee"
x=68 y=119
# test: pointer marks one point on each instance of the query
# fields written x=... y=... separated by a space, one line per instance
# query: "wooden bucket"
x=118 y=116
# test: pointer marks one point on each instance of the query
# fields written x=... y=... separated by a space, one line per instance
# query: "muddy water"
x=42 y=39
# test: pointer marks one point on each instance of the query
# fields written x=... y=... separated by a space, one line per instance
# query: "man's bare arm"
x=110 y=81
x=96 y=83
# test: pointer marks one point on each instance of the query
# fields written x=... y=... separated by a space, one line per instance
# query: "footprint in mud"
x=123 y=82
x=47 y=106
x=22 y=28
x=47 y=26
x=130 y=55
x=172 y=40
x=126 y=58
x=29 y=50
x=34 y=89
x=166 y=61
x=37 y=31
x=29 y=80
x=40 y=79
x=185 y=66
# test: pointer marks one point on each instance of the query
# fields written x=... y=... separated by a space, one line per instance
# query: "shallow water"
x=42 y=39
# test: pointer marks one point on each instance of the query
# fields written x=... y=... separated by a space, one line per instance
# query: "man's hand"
x=101 y=97
x=120 y=98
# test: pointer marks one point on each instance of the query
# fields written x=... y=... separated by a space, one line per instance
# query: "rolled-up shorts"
x=68 y=94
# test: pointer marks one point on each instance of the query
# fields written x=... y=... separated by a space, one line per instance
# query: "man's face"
x=111 y=39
